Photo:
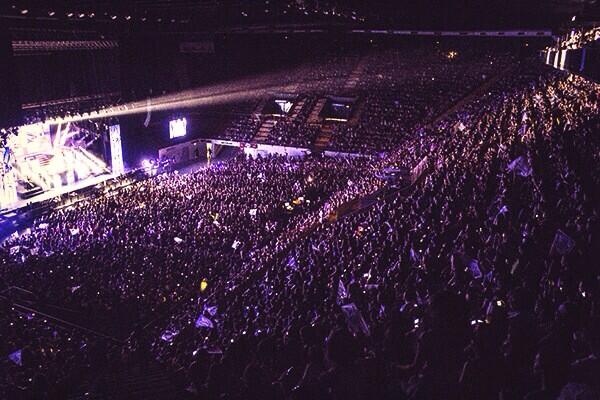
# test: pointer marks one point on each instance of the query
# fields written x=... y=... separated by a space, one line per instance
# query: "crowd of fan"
x=326 y=76
x=396 y=89
x=579 y=38
x=293 y=133
x=243 y=128
x=41 y=357
x=294 y=129
x=399 y=97
x=475 y=284
x=135 y=252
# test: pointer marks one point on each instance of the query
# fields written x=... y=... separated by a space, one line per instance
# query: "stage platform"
x=49 y=194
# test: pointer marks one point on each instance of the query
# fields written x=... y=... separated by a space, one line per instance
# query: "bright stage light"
x=146 y=164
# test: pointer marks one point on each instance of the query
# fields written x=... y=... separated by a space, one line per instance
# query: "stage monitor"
x=177 y=128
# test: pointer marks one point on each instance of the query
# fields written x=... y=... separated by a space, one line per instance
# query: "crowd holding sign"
x=438 y=293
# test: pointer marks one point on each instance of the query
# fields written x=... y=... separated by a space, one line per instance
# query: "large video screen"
x=177 y=128
x=284 y=105
x=47 y=156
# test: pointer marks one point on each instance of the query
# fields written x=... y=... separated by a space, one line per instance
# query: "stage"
x=55 y=192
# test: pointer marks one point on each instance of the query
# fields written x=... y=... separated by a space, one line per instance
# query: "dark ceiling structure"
x=219 y=15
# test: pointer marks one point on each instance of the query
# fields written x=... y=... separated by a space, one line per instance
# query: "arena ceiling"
x=206 y=15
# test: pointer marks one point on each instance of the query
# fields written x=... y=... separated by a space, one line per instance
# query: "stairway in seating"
x=355 y=75
x=314 y=116
x=359 y=107
x=264 y=131
x=323 y=139
x=295 y=111
x=260 y=107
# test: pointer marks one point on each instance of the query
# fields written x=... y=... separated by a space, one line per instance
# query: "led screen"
x=284 y=105
x=177 y=128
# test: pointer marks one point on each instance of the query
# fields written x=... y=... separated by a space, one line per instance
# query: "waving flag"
x=203 y=322
x=169 y=335
x=563 y=243
x=212 y=310
x=503 y=210
x=474 y=268
x=414 y=256
x=354 y=319
x=292 y=263
x=520 y=166
x=16 y=357
x=342 y=292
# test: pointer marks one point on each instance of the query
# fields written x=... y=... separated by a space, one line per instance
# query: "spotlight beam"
x=230 y=92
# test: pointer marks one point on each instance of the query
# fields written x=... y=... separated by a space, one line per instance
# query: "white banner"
x=116 y=150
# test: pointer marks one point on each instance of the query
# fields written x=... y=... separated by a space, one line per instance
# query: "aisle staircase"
x=265 y=129
x=359 y=106
x=324 y=138
x=355 y=75
x=315 y=114
x=295 y=111
x=259 y=108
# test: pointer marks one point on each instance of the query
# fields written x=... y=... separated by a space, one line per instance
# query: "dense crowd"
x=396 y=90
x=477 y=285
x=243 y=128
x=133 y=253
x=293 y=133
x=477 y=282
x=578 y=38
x=399 y=97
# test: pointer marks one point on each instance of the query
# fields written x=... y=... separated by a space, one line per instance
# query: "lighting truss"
x=28 y=46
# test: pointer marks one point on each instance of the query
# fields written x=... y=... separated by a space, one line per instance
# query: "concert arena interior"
x=299 y=199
